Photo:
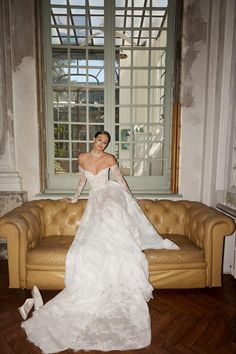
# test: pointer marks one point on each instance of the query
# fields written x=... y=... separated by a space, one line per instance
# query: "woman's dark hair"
x=104 y=132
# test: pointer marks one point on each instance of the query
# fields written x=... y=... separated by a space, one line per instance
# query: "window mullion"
x=109 y=82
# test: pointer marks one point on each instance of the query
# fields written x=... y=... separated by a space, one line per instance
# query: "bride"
x=104 y=303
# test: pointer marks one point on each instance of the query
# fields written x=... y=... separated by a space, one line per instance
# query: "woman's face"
x=101 y=142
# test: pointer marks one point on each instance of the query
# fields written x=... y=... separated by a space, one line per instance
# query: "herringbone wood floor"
x=183 y=321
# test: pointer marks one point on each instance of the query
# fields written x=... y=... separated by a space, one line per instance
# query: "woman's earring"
x=26 y=307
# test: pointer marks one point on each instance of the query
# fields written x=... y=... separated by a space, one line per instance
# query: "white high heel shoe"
x=38 y=301
x=26 y=307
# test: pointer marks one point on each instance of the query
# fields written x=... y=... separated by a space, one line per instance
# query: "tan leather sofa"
x=40 y=232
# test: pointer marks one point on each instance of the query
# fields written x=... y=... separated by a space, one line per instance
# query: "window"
x=109 y=65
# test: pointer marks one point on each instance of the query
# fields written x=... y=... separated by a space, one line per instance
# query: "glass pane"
x=140 y=150
x=157 y=95
x=124 y=96
x=96 y=96
x=58 y=2
x=55 y=40
x=96 y=21
x=123 y=114
x=140 y=168
x=93 y=129
x=124 y=77
x=78 y=57
x=156 y=132
x=124 y=166
x=75 y=167
x=117 y=133
x=123 y=57
x=59 y=57
x=117 y=112
x=96 y=76
x=61 y=167
x=156 y=150
x=78 y=114
x=140 y=77
x=78 y=76
x=122 y=3
x=79 y=20
x=60 y=20
x=140 y=96
x=75 y=151
x=96 y=114
x=98 y=41
x=58 y=10
x=60 y=75
x=61 y=131
x=158 y=58
x=157 y=114
x=61 y=149
x=140 y=57
x=159 y=133
x=124 y=136
x=77 y=2
x=60 y=113
x=161 y=40
x=77 y=148
x=119 y=21
x=78 y=132
x=78 y=96
x=60 y=96
x=156 y=167
x=95 y=58
x=140 y=133
x=140 y=115
x=97 y=3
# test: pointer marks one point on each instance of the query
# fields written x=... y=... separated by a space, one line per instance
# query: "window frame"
x=138 y=184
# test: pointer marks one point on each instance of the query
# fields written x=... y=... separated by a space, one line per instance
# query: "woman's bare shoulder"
x=110 y=159
x=82 y=157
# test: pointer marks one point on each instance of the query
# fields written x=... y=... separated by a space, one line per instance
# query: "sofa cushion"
x=49 y=253
x=188 y=252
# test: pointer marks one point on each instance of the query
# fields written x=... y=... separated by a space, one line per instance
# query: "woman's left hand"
x=68 y=200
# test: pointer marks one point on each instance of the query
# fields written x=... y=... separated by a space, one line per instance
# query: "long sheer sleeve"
x=120 y=179
x=82 y=181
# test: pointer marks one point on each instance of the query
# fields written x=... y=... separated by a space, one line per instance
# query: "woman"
x=104 y=304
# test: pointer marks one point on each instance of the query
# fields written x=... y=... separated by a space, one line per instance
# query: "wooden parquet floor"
x=183 y=321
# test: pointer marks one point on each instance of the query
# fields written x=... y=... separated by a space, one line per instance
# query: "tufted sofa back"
x=62 y=218
x=53 y=217
x=168 y=217
x=181 y=217
x=58 y=217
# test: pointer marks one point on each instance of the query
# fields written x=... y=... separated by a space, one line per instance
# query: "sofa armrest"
x=22 y=228
x=207 y=227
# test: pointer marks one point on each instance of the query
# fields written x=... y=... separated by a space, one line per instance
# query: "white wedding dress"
x=104 y=303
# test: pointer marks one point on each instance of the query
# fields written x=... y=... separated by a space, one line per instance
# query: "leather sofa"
x=40 y=232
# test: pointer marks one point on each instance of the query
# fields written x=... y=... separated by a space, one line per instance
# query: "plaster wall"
x=193 y=84
x=207 y=98
x=25 y=94
x=9 y=177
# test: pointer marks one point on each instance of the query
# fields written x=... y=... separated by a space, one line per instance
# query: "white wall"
x=207 y=114
x=26 y=125
x=19 y=153
x=25 y=94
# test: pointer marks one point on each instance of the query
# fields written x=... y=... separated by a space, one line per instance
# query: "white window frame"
x=140 y=185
